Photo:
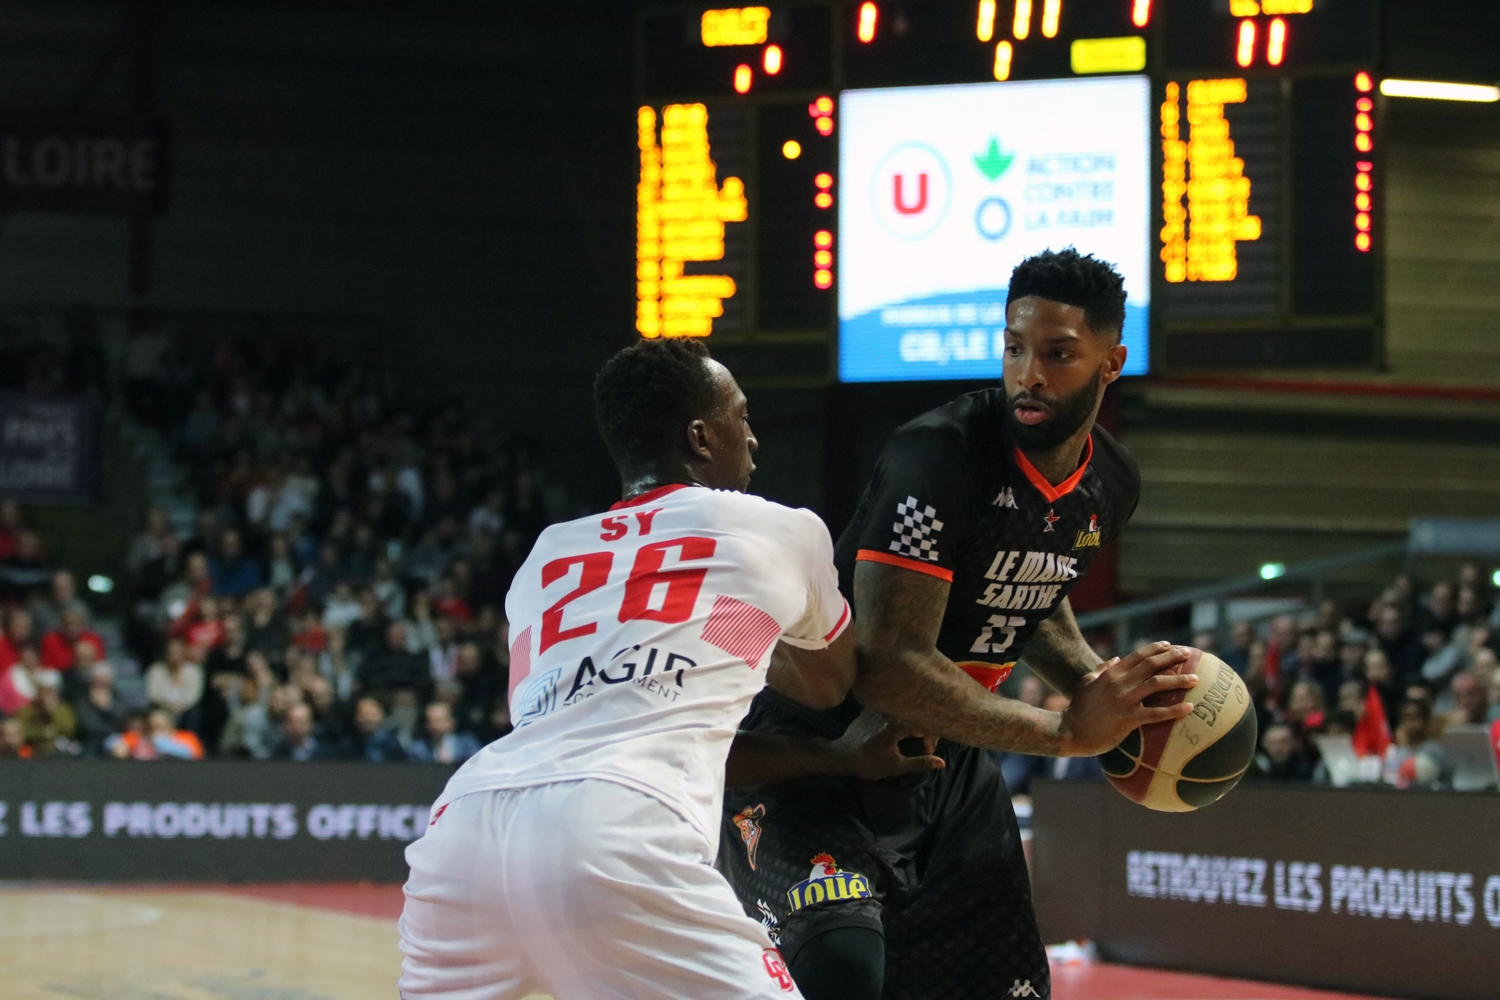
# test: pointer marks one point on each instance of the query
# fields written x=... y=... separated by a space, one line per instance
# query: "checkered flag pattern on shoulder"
x=914 y=529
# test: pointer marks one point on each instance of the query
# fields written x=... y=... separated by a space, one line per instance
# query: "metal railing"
x=1314 y=570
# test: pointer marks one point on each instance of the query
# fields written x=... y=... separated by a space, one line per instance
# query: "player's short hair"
x=648 y=393
x=1074 y=279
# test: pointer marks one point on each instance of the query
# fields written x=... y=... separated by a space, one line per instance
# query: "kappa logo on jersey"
x=777 y=970
x=1007 y=498
x=1025 y=989
x=747 y=821
x=914 y=530
x=827 y=884
x=1090 y=538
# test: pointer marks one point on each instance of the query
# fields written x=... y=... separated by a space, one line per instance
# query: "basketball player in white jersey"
x=575 y=856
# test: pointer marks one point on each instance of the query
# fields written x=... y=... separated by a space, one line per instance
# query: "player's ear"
x=699 y=440
x=1114 y=362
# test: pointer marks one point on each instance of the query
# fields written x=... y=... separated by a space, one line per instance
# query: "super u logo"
x=911 y=191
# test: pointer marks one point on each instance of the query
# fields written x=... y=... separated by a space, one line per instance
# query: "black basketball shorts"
x=932 y=861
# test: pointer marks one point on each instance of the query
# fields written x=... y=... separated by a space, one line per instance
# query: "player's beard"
x=1069 y=414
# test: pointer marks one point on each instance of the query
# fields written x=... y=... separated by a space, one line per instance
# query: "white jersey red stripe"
x=641 y=636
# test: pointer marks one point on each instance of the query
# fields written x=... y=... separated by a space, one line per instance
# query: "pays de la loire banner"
x=88 y=163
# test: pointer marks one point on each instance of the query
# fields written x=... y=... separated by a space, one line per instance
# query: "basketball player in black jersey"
x=980 y=517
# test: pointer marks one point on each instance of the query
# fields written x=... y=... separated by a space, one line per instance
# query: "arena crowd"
x=340 y=595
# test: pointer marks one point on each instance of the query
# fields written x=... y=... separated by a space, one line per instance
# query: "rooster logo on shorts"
x=747 y=821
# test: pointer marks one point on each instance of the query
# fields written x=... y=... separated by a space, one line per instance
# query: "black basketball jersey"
x=954 y=498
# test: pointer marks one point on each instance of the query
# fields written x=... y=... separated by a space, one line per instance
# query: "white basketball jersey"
x=639 y=637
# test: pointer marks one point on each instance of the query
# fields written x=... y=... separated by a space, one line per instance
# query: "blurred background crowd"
x=334 y=590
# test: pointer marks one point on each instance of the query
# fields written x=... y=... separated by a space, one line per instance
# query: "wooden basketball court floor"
x=323 y=942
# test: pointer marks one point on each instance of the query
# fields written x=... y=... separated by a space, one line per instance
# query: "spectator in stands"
x=441 y=744
x=267 y=631
x=328 y=714
x=1416 y=758
x=175 y=683
x=337 y=666
x=1282 y=756
x=281 y=565
x=1304 y=709
x=341 y=609
x=234 y=573
x=1400 y=643
x=19 y=682
x=24 y=571
x=48 y=724
x=59 y=647
x=395 y=668
x=228 y=657
x=97 y=710
x=1471 y=701
x=254 y=729
x=194 y=584
x=1439 y=611
x=12 y=740
x=17 y=635
x=421 y=630
x=299 y=737
x=11 y=527
x=150 y=545
x=154 y=737
x=370 y=739
x=47 y=612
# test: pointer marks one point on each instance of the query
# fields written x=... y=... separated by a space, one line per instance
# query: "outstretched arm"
x=821 y=679
x=901 y=672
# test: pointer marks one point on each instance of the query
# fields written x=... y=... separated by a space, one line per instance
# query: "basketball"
x=1187 y=764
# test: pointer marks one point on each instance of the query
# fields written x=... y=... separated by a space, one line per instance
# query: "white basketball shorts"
x=585 y=890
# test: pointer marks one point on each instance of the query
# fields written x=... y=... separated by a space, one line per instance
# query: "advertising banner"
x=943 y=190
x=211 y=821
x=1372 y=891
x=90 y=163
x=49 y=447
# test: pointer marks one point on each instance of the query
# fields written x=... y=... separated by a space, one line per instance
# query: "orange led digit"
x=771 y=59
x=1020 y=25
x=824 y=181
x=869 y=15
x=1276 y=42
x=984 y=27
x=823 y=239
x=1051 y=14
x=1244 y=50
x=1140 y=13
x=1003 y=55
x=743 y=76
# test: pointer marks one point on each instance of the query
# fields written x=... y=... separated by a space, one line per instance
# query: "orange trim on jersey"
x=1062 y=489
x=843 y=620
x=870 y=555
x=649 y=495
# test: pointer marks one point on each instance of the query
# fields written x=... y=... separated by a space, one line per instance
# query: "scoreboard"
x=864 y=176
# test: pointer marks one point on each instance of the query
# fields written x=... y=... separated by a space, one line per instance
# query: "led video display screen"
x=943 y=190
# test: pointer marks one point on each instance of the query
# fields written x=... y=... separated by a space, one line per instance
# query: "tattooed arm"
x=901 y=672
x=1058 y=653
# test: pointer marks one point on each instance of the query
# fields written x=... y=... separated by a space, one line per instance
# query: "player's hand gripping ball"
x=1186 y=764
